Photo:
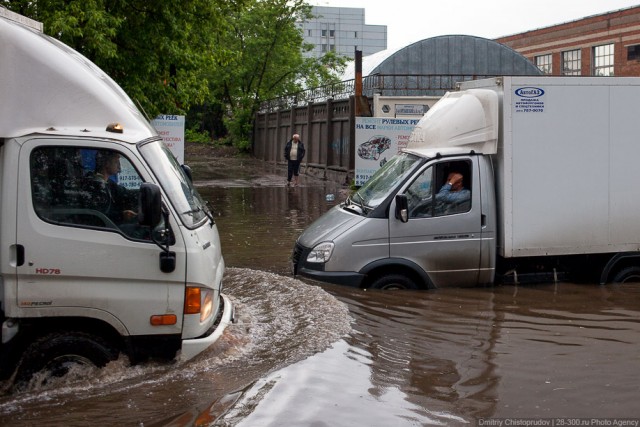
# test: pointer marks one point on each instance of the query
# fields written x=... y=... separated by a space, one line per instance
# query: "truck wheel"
x=57 y=353
x=393 y=281
x=628 y=275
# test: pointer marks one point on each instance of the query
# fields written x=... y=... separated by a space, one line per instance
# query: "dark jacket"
x=287 y=150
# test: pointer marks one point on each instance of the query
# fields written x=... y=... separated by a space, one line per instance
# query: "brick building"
x=598 y=45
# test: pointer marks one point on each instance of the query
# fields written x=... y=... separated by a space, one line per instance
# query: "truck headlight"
x=198 y=301
x=321 y=253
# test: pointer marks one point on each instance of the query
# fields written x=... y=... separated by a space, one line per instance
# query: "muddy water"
x=306 y=354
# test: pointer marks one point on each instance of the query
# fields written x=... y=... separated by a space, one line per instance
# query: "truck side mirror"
x=402 y=208
x=150 y=213
x=149 y=205
x=187 y=171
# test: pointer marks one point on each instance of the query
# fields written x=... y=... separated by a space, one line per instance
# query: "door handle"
x=17 y=255
x=483 y=220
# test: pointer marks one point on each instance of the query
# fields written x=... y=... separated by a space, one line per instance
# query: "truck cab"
x=397 y=232
x=402 y=228
x=106 y=247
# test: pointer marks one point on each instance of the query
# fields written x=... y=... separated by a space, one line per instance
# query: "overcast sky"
x=409 y=21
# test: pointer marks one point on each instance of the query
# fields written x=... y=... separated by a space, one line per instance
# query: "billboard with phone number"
x=377 y=140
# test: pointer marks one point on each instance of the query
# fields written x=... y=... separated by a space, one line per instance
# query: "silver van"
x=396 y=233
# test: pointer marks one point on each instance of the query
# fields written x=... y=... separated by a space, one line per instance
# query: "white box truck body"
x=549 y=170
x=106 y=248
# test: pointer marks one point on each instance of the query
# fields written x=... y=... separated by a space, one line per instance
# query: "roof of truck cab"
x=47 y=87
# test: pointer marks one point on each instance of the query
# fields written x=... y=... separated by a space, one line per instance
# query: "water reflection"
x=259 y=226
x=435 y=347
x=299 y=393
x=452 y=357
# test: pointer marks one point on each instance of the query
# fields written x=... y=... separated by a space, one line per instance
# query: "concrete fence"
x=326 y=128
x=326 y=121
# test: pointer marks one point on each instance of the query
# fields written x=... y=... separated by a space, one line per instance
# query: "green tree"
x=156 y=50
x=266 y=61
x=220 y=58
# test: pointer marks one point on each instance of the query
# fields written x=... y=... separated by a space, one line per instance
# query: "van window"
x=85 y=187
x=431 y=194
x=386 y=179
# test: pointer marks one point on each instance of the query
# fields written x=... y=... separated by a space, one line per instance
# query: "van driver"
x=453 y=192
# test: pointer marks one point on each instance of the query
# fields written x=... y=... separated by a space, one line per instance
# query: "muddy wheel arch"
x=57 y=352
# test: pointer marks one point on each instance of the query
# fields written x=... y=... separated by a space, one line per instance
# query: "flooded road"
x=305 y=354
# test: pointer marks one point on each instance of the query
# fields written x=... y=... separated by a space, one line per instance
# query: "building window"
x=332 y=47
x=571 y=62
x=633 y=52
x=544 y=63
x=355 y=34
x=324 y=47
x=603 y=60
x=309 y=33
x=324 y=33
x=332 y=33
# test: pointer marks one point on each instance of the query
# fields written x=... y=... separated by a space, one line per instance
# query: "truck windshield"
x=385 y=180
x=183 y=196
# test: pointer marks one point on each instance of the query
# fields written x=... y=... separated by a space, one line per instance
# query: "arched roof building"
x=435 y=64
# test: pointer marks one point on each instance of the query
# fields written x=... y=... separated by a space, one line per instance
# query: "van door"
x=443 y=234
x=84 y=253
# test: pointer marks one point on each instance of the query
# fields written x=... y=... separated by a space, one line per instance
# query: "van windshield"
x=183 y=196
x=385 y=180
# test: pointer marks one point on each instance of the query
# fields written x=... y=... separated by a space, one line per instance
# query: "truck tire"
x=393 y=282
x=57 y=352
x=627 y=275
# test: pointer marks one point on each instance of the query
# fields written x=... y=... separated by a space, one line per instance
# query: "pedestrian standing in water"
x=294 y=153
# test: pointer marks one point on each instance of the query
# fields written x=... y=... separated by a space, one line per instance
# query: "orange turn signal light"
x=192 y=301
x=163 y=319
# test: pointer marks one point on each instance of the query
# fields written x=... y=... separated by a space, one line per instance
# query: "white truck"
x=106 y=248
x=551 y=179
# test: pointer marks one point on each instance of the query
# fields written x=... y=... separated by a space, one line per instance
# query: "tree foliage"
x=267 y=61
x=156 y=50
x=221 y=57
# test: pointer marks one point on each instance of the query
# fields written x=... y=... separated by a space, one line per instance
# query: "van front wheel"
x=394 y=281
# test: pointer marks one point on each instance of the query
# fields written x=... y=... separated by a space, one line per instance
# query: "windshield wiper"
x=362 y=202
x=209 y=214
x=206 y=212
x=192 y=211
x=352 y=206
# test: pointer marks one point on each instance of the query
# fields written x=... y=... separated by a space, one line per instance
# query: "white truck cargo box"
x=567 y=165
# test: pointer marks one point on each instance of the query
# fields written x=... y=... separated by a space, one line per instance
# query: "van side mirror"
x=149 y=205
x=402 y=208
x=187 y=171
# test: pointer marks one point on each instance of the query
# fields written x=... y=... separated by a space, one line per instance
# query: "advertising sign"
x=377 y=140
x=171 y=129
x=530 y=100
